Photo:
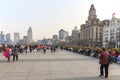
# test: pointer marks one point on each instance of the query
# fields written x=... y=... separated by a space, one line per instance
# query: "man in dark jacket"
x=15 y=53
x=104 y=61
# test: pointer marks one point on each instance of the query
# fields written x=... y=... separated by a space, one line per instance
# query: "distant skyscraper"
x=2 y=38
x=63 y=34
x=7 y=36
x=55 y=37
x=16 y=37
x=25 y=38
x=8 y=39
x=29 y=35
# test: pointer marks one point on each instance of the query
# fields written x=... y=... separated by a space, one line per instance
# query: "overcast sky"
x=47 y=17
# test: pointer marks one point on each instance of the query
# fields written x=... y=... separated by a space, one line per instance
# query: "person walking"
x=26 y=48
x=6 y=53
x=15 y=53
x=113 y=55
x=104 y=61
x=30 y=48
x=44 y=49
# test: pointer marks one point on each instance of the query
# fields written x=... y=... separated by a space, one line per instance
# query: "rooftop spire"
x=92 y=12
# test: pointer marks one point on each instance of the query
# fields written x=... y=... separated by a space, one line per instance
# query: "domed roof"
x=75 y=29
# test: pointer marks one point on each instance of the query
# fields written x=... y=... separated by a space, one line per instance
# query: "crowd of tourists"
x=105 y=56
x=11 y=51
x=14 y=50
x=115 y=55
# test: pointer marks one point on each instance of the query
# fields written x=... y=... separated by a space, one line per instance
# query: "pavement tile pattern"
x=61 y=65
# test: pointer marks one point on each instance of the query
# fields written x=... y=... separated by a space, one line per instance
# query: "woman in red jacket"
x=6 y=53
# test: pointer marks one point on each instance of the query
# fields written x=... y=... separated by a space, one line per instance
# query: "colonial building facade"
x=75 y=36
x=112 y=39
x=91 y=31
x=75 y=33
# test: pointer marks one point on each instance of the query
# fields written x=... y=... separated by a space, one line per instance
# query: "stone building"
x=91 y=31
x=75 y=33
x=112 y=37
x=62 y=35
x=75 y=36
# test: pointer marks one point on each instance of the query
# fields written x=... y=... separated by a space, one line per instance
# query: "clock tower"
x=92 y=13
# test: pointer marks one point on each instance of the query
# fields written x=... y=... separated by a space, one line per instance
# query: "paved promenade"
x=61 y=65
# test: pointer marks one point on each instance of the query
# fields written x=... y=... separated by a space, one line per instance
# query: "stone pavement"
x=61 y=65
